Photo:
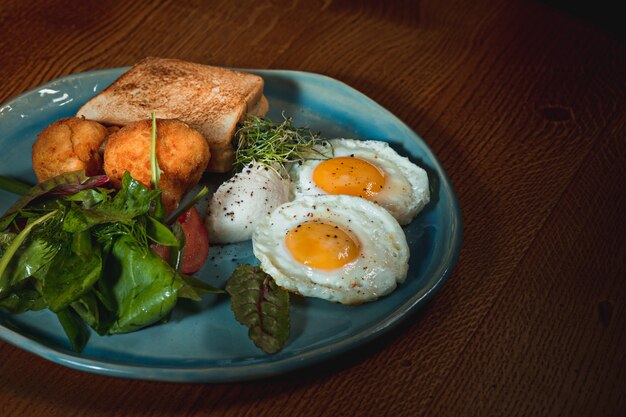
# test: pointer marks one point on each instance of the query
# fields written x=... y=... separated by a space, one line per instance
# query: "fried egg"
x=368 y=169
x=336 y=247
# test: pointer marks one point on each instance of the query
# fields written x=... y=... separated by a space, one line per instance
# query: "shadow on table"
x=603 y=13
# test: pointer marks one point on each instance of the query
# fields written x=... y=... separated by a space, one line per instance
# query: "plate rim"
x=268 y=368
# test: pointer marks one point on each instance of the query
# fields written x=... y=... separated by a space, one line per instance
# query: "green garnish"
x=154 y=163
x=261 y=305
x=186 y=203
x=13 y=186
x=83 y=252
x=12 y=249
x=158 y=210
x=275 y=145
x=66 y=183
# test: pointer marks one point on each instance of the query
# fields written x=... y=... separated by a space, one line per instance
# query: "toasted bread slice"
x=209 y=99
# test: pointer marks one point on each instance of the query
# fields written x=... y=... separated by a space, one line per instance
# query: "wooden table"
x=524 y=104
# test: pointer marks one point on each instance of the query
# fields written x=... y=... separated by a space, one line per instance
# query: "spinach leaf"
x=200 y=286
x=192 y=288
x=133 y=200
x=87 y=308
x=74 y=328
x=13 y=248
x=23 y=298
x=160 y=233
x=90 y=197
x=72 y=273
x=30 y=259
x=144 y=286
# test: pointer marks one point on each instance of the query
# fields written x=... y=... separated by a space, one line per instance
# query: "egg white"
x=405 y=192
x=380 y=266
x=242 y=201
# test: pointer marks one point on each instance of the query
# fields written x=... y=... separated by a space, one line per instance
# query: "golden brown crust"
x=66 y=145
x=210 y=99
x=182 y=153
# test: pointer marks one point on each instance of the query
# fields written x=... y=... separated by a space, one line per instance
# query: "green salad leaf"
x=84 y=253
x=160 y=233
x=23 y=298
x=261 y=305
x=132 y=200
x=74 y=328
x=62 y=285
x=13 y=248
x=14 y=186
x=87 y=308
x=32 y=258
x=144 y=286
x=67 y=183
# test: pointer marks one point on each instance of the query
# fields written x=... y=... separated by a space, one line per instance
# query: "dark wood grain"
x=524 y=104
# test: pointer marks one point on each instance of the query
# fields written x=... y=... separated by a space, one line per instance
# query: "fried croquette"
x=69 y=144
x=182 y=153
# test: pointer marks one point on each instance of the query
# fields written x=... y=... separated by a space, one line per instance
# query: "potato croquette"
x=66 y=145
x=182 y=152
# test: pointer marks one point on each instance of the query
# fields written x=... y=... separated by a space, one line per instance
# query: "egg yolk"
x=349 y=175
x=321 y=245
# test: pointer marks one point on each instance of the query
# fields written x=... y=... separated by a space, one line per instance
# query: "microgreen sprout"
x=276 y=145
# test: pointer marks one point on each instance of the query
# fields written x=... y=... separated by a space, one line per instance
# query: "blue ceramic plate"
x=203 y=342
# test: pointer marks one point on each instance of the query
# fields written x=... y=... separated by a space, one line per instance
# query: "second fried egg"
x=367 y=169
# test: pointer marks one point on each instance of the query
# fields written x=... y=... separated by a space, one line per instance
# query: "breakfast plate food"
x=202 y=341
